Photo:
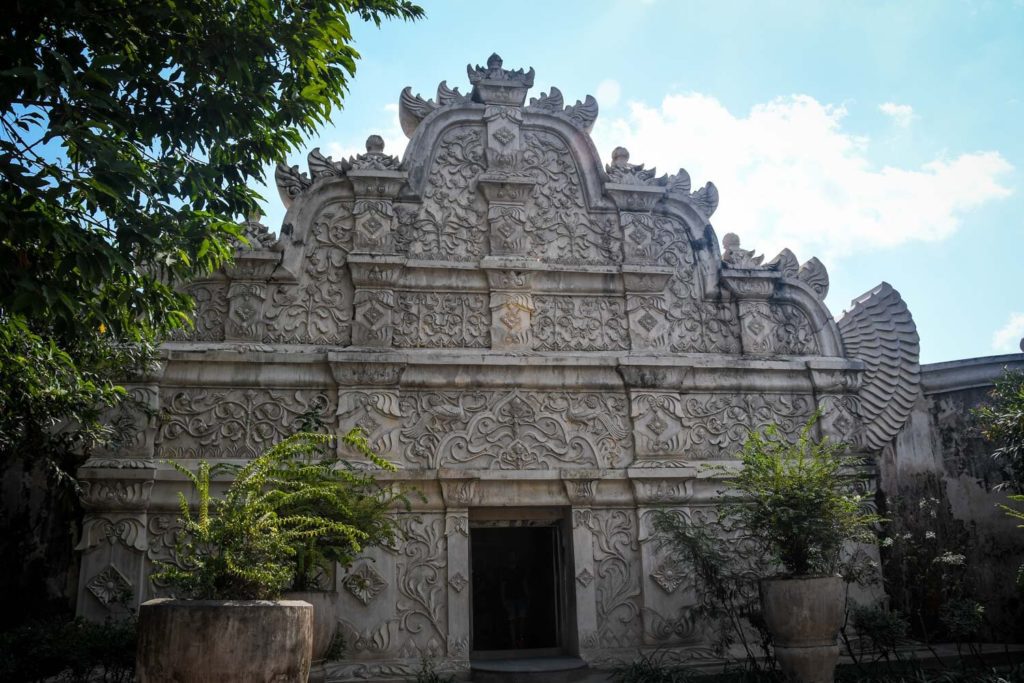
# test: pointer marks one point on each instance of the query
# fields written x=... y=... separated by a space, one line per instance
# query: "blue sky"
x=884 y=138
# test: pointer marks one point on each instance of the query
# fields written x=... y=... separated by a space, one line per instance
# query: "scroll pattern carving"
x=422 y=578
x=515 y=430
x=687 y=326
x=318 y=310
x=579 y=323
x=450 y=225
x=617 y=589
x=558 y=217
x=211 y=310
x=232 y=423
x=715 y=426
x=777 y=328
x=441 y=320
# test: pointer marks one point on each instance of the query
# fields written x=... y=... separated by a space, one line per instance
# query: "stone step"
x=532 y=670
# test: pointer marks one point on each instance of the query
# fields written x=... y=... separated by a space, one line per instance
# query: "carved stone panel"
x=245 y=311
x=515 y=430
x=373 y=226
x=442 y=320
x=210 y=314
x=372 y=323
x=232 y=423
x=770 y=328
x=579 y=323
x=714 y=426
x=617 y=578
x=657 y=424
x=511 y=314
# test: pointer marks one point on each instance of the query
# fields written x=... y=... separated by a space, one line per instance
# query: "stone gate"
x=538 y=340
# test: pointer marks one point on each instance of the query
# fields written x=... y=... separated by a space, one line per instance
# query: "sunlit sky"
x=887 y=139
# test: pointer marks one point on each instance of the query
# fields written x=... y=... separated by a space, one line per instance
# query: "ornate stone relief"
x=422 y=578
x=364 y=583
x=714 y=426
x=515 y=430
x=110 y=586
x=772 y=328
x=318 y=309
x=442 y=320
x=232 y=423
x=582 y=114
x=617 y=581
x=211 y=311
x=450 y=225
x=579 y=323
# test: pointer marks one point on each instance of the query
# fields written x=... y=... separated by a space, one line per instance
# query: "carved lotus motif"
x=458 y=582
x=668 y=577
x=110 y=586
x=364 y=583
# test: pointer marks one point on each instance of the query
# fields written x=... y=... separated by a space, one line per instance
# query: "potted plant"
x=238 y=554
x=337 y=490
x=797 y=500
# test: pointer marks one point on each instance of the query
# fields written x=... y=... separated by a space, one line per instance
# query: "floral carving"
x=442 y=320
x=564 y=231
x=579 y=323
x=515 y=430
x=617 y=581
x=668 y=576
x=450 y=224
x=422 y=602
x=209 y=314
x=110 y=586
x=715 y=426
x=364 y=583
x=458 y=582
x=232 y=423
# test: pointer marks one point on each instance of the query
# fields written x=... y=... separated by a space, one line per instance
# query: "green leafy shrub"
x=798 y=499
x=650 y=668
x=286 y=503
x=1001 y=422
x=73 y=650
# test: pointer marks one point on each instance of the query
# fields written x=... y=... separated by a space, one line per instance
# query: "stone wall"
x=940 y=455
x=526 y=332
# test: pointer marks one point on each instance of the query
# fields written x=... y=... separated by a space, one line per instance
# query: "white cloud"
x=608 y=93
x=790 y=175
x=901 y=114
x=394 y=139
x=1007 y=339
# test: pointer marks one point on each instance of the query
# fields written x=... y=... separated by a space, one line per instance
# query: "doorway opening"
x=519 y=600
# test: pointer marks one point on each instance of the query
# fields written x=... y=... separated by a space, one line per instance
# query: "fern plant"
x=288 y=503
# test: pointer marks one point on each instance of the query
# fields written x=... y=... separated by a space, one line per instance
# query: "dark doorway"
x=515 y=588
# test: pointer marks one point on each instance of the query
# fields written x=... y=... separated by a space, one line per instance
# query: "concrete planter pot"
x=804 y=615
x=325 y=625
x=229 y=641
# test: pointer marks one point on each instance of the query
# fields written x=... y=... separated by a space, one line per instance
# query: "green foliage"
x=798 y=499
x=650 y=668
x=428 y=673
x=289 y=499
x=1001 y=421
x=131 y=134
x=69 y=650
x=724 y=577
x=883 y=629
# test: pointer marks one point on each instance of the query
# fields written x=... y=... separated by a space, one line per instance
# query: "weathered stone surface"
x=225 y=641
x=521 y=326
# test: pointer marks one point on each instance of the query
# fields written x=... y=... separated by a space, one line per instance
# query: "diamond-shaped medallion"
x=504 y=135
x=648 y=321
x=657 y=425
x=373 y=314
x=668 y=577
x=584 y=577
x=110 y=586
x=364 y=583
x=458 y=582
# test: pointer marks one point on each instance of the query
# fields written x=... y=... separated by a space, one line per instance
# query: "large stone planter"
x=804 y=615
x=203 y=641
x=325 y=625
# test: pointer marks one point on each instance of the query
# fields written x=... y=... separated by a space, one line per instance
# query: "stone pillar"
x=646 y=307
x=368 y=397
x=584 y=575
x=511 y=303
x=376 y=181
x=663 y=597
x=459 y=492
x=373 y=304
x=248 y=289
x=753 y=289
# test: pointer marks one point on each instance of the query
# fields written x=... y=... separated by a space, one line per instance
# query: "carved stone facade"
x=530 y=334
